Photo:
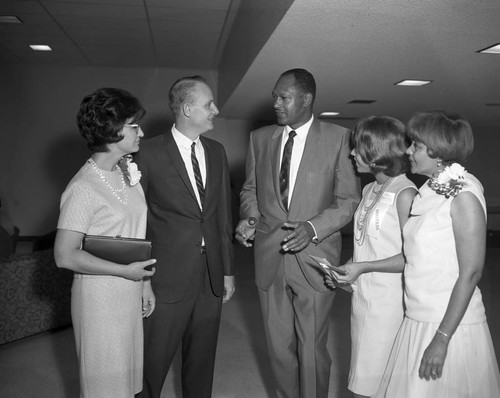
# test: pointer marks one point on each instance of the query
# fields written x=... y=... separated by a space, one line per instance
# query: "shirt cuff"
x=315 y=237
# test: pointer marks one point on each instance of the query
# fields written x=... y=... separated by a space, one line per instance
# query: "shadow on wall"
x=263 y=115
x=65 y=158
x=154 y=126
x=62 y=160
x=67 y=155
x=69 y=152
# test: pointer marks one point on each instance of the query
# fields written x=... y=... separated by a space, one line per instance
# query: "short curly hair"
x=446 y=135
x=381 y=143
x=103 y=114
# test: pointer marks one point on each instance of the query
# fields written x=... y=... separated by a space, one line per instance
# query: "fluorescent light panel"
x=329 y=114
x=361 y=101
x=494 y=49
x=413 y=83
x=40 y=47
x=9 y=19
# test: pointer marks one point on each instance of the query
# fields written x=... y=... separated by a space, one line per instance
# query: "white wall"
x=41 y=148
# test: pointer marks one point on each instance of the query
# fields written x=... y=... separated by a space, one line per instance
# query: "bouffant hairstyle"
x=304 y=80
x=182 y=91
x=447 y=136
x=382 y=144
x=102 y=115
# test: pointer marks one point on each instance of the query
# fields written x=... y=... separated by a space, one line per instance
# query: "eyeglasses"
x=133 y=126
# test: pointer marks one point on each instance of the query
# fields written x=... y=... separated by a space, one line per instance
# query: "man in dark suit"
x=185 y=177
x=300 y=190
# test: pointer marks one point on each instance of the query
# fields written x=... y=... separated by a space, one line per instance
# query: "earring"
x=439 y=162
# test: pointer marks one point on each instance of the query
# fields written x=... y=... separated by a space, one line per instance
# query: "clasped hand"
x=298 y=237
x=299 y=234
x=245 y=232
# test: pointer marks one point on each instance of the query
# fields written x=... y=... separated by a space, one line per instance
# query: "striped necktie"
x=197 y=174
x=285 y=168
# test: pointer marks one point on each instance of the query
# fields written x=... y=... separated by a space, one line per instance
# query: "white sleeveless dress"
x=377 y=301
x=470 y=369
x=106 y=310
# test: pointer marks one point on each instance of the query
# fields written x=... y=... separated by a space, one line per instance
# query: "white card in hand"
x=325 y=265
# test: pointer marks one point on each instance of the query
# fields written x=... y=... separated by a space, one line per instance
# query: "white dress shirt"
x=184 y=145
x=299 y=143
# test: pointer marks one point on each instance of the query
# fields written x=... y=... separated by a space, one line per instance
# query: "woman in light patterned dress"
x=444 y=347
x=108 y=300
x=377 y=263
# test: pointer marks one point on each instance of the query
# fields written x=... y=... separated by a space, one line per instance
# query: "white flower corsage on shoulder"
x=449 y=181
x=130 y=170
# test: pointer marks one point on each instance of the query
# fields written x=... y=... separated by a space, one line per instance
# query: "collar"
x=302 y=130
x=182 y=140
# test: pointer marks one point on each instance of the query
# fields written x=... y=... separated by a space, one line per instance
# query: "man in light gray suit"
x=300 y=190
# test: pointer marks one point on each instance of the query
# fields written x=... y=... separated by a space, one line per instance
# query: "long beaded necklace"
x=114 y=191
x=365 y=212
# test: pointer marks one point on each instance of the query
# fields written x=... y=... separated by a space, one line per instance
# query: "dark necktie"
x=197 y=174
x=285 y=168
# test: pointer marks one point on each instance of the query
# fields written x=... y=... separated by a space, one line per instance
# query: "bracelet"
x=439 y=331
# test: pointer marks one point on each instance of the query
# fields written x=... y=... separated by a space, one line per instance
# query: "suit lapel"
x=210 y=168
x=311 y=149
x=275 y=156
x=176 y=159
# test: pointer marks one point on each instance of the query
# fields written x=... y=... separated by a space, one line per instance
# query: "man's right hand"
x=245 y=231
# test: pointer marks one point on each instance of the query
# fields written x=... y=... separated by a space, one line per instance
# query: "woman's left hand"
x=348 y=273
x=148 y=299
x=431 y=365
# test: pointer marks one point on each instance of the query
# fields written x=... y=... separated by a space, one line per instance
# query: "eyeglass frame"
x=133 y=126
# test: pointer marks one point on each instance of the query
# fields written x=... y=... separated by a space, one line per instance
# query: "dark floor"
x=44 y=366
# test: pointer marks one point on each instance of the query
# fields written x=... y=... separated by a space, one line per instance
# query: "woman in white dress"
x=108 y=300
x=444 y=348
x=377 y=263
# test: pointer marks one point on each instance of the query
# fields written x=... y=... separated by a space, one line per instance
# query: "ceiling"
x=131 y=33
x=356 y=49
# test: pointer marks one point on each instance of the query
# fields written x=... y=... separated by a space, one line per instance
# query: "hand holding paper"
x=334 y=272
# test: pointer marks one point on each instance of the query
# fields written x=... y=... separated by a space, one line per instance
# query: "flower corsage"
x=448 y=182
x=130 y=170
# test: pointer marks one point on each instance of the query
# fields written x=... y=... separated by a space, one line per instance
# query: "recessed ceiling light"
x=413 y=83
x=40 y=47
x=361 y=101
x=329 y=114
x=9 y=19
x=494 y=49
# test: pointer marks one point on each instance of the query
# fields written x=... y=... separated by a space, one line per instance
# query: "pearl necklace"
x=114 y=191
x=365 y=211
